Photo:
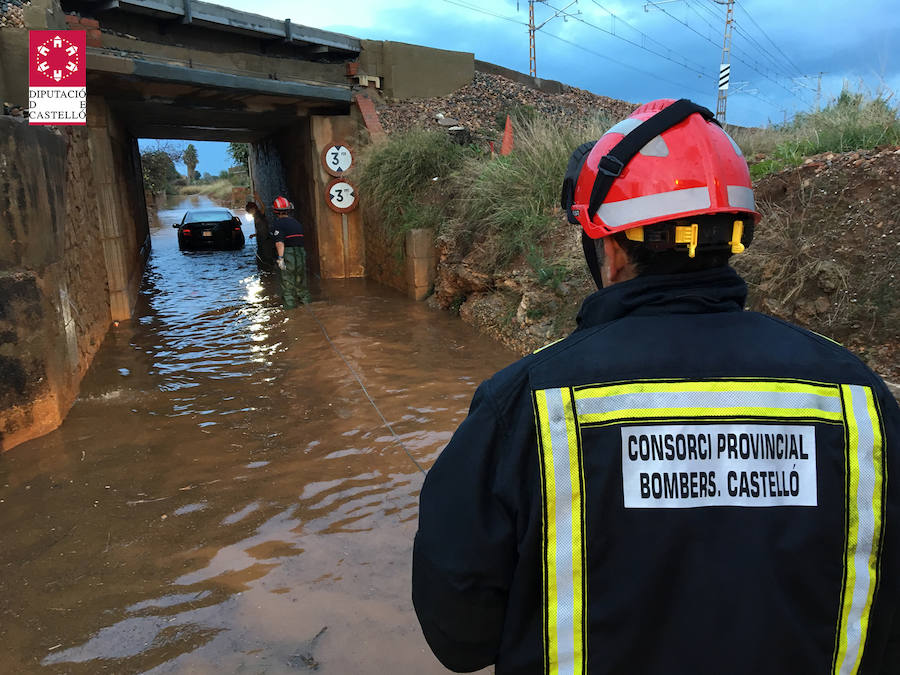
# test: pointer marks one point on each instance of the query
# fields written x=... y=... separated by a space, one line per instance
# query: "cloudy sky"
x=638 y=51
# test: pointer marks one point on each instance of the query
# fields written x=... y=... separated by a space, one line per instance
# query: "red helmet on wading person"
x=282 y=204
x=668 y=162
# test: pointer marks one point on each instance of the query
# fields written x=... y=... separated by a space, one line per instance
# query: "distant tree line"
x=160 y=175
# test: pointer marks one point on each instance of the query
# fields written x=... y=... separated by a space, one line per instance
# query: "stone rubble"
x=477 y=106
x=12 y=13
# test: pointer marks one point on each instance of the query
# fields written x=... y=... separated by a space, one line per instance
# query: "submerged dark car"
x=209 y=228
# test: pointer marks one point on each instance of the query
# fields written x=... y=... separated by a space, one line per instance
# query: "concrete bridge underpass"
x=77 y=235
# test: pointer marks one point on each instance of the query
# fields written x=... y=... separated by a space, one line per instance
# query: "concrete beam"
x=197 y=113
x=232 y=20
x=210 y=78
x=197 y=133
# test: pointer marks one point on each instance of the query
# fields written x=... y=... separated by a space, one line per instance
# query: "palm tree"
x=190 y=161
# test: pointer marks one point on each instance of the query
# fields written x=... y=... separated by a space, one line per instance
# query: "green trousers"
x=294 y=286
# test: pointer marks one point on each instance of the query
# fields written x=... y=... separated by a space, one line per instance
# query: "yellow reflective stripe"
x=549 y=344
x=865 y=524
x=564 y=547
x=733 y=411
x=648 y=387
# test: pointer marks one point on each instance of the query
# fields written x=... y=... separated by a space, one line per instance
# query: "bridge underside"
x=164 y=101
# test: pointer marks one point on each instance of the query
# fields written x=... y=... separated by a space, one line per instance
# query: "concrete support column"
x=421 y=263
x=342 y=252
x=110 y=210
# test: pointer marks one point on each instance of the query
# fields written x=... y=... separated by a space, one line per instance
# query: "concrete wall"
x=72 y=252
x=53 y=300
x=411 y=71
x=124 y=228
x=546 y=86
x=409 y=265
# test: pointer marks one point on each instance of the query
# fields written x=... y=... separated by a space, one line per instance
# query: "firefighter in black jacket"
x=680 y=486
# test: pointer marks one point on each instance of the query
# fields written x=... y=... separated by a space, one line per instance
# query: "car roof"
x=198 y=215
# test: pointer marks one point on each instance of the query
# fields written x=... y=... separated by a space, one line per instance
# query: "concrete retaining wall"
x=411 y=71
x=413 y=272
x=52 y=311
x=72 y=250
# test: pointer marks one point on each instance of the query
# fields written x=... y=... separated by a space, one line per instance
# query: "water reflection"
x=223 y=489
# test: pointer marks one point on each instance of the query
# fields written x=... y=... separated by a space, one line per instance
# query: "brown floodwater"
x=235 y=489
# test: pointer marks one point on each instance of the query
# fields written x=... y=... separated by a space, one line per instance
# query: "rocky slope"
x=477 y=106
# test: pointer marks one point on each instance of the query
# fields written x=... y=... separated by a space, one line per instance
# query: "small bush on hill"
x=853 y=121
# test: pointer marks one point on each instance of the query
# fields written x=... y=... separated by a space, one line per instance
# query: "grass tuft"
x=510 y=200
x=853 y=121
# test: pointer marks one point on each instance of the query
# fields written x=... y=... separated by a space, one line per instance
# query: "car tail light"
x=185 y=231
x=237 y=229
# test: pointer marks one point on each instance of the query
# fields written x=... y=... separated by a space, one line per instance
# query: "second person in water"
x=291 y=260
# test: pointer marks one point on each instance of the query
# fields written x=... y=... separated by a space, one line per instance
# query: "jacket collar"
x=709 y=291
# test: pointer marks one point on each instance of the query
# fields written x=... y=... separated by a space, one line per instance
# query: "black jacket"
x=680 y=486
x=287 y=230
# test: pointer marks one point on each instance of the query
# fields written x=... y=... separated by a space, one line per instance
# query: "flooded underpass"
x=235 y=490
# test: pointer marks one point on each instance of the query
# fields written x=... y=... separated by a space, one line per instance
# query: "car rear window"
x=211 y=216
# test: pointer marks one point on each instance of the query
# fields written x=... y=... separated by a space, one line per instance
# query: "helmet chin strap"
x=590 y=255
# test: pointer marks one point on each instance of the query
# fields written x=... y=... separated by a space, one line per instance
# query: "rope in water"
x=363 y=387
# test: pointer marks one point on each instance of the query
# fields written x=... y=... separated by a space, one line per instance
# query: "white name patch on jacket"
x=693 y=465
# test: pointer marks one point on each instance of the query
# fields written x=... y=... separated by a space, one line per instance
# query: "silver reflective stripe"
x=656 y=148
x=867 y=470
x=618 y=214
x=565 y=633
x=647 y=402
x=734 y=145
x=625 y=127
x=741 y=197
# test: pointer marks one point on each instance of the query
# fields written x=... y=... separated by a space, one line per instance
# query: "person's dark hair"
x=653 y=256
x=251 y=206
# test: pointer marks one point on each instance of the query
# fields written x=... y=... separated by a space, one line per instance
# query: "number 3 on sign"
x=337 y=159
x=341 y=196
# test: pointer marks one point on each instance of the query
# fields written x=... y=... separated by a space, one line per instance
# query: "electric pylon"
x=725 y=65
x=532 y=57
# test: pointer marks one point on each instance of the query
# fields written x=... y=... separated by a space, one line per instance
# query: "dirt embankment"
x=824 y=257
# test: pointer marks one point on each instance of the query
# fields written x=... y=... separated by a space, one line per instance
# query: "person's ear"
x=616 y=266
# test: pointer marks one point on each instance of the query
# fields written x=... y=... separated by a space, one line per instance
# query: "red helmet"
x=282 y=204
x=691 y=168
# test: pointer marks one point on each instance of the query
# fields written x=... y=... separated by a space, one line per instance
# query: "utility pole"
x=819 y=91
x=725 y=65
x=532 y=29
x=532 y=56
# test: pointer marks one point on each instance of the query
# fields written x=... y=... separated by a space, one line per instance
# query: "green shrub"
x=403 y=179
x=510 y=200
